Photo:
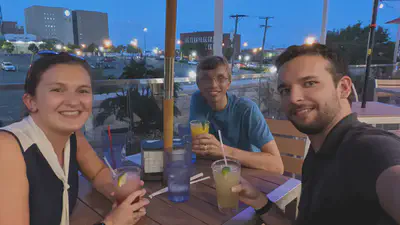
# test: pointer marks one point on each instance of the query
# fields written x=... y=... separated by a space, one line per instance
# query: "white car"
x=7 y=66
x=193 y=62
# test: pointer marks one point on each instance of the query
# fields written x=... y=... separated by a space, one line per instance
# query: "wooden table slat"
x=165 y=214
x=83 y=215
x=90 y=196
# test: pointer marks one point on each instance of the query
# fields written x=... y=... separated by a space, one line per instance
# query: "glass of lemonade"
x=199 y=127
x=225 y=178
x=126 y=181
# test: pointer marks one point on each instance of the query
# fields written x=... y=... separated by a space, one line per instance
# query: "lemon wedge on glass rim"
x=122 y=179
x=225 y=170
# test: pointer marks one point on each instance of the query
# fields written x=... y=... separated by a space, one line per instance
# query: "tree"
x=133 y=49
x=49 y=44
x=73 y=46
x=91 y=48
x=228 y=52
x=199 y=48
x=33 y=48
x=118 y=49
x=352 y=43
x=8 y=47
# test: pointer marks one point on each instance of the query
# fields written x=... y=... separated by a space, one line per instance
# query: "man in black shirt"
x=351 y=174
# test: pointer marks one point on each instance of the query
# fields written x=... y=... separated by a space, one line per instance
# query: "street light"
x=155 y=50
x=107 y=43
x=194 y=54
x=245 y=44
x=83 y=45
x=78 y=53
x=247 y=58
x=59 y=47
x=144 y=40
x=134 y=42
x=310 y=40
x=255 y=50
x=178 y=42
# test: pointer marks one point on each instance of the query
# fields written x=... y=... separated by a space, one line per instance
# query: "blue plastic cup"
x=178 y=172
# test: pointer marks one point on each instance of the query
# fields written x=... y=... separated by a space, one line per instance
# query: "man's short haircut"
x=211 y=63
x=338 y=68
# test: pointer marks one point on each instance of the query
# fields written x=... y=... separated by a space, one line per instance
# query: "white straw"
x=222 y=147
x=202 y=179
x=196 y=176
x=108 y=164
x=164 y=190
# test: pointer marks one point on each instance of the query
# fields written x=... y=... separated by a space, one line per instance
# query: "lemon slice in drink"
x=122 y=179
x=225 y=170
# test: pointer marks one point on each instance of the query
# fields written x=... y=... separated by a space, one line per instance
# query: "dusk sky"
x=294 y=19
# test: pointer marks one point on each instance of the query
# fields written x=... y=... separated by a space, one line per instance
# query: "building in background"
x=207 y=38
x=21 y=42
x=50 y=23
x=20 y=37
x=89 y=27
x=11 y=27
x=1 y=25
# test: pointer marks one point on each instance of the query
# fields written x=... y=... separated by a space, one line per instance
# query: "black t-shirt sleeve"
x=372 y=154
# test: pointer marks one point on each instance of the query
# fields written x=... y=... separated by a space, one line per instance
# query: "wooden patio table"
x=200 y=209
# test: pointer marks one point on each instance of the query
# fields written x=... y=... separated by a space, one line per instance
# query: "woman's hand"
x=129 y=211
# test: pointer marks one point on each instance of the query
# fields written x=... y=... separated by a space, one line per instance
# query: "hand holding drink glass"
x=226 y=174
x=126 y=181
x=199 y=127
x=129 y=205
x=204 y=143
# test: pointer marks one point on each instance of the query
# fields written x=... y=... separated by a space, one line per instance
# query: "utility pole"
x=371 y=42
x=237 y=17
x=265 y=34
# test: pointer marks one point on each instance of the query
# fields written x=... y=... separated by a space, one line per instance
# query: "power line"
x=266 y=27
x=237 y=17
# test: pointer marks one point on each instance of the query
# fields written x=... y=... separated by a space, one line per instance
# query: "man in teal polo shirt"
x=245 y=133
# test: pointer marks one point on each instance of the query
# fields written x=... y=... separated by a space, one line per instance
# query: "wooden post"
x=170 y=33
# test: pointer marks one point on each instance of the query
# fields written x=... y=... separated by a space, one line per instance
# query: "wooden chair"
x=385 y=84
x=293 y=146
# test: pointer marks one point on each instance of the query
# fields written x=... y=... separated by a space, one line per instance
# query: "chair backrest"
x=387 y=83
x=292 y=144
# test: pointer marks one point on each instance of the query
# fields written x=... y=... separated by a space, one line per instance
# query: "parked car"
x=108 y=59
x=7 y=66
x=193 y=62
